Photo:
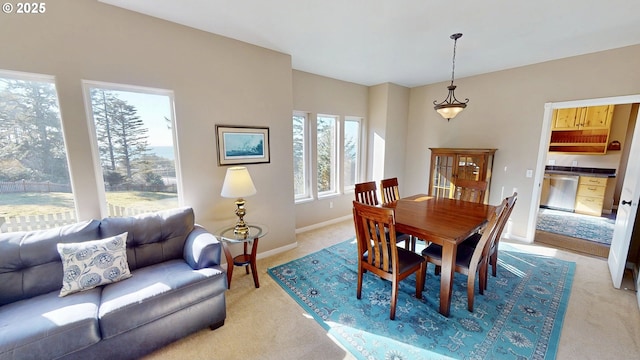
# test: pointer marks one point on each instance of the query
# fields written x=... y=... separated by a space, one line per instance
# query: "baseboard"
x=266 y=254
x=323 y=224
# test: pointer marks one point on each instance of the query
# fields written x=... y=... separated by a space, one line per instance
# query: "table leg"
x=246 y=267
x=446 y=276
x=254 y=268
x=227 y=255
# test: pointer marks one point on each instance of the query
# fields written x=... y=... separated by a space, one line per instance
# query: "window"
x=352 y=151
x=300 y=156
x=35 y=188
x=134 y=138
x=326 y=154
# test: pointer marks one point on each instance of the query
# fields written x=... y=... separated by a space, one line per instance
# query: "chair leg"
x=394 y=298
x=471 y=282
x=420 y=279
x=482 y=281
x=494 y=263
x=359 y=287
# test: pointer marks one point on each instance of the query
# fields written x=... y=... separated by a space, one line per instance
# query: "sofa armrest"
x=202 y=249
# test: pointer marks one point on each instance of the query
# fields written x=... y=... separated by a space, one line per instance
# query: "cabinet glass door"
x=469 y=167
x=443 y=176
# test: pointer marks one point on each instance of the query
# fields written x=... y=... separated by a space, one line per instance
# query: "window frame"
x=49 y=79
x=359 y=155
x=306 y=158
x=95 y=152
x=334 y=188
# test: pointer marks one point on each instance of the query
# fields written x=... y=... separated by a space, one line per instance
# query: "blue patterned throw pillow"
x=93 y=263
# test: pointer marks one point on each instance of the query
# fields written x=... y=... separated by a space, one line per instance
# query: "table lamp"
x=238 y=184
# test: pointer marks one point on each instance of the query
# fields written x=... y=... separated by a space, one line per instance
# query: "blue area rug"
x=519 y=317
x=593 y=228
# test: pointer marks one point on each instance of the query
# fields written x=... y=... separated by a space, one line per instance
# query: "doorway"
x=543 y=218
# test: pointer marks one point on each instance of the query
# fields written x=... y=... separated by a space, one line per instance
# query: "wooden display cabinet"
x=448 y=164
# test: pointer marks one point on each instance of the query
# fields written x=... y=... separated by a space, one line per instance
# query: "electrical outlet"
x=330 y=204
x=574 y=163
x=529 y=173
x=552 y=162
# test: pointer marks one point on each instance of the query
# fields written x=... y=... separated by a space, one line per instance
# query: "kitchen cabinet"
x=581 y=130
x=449 y=164
x=566 y=119
x=583 y=118
x=590 y=195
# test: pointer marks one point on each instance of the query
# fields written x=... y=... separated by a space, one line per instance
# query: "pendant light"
x=451 y=106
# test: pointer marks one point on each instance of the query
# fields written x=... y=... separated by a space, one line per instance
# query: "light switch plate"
x=529 y=173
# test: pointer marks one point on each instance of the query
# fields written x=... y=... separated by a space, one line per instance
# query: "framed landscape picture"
x=242 y=145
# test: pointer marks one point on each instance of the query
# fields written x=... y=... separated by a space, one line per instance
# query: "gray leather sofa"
x=177 y=287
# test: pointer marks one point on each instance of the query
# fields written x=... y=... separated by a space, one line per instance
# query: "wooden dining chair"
x=470 y=190
x=380 y=255
x=389 y=190
x=473 y=240
x=470 y=261
x=367 y=193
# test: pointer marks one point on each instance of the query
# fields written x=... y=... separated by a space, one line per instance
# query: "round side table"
x=246 y=259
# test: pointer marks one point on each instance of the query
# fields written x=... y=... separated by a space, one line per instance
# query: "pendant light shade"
x=450 y=106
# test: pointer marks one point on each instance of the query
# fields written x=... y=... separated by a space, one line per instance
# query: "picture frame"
x=238 y=145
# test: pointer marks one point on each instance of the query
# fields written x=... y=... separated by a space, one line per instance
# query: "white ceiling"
x=407 y=42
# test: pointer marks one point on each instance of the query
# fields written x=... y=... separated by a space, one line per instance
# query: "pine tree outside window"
x=35 y=187
x=300 y=156
x=352 y=152
x=326 y=154
x=134 y=138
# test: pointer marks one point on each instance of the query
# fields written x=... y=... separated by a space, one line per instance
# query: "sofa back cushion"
x=153 y=238
x=29 y=261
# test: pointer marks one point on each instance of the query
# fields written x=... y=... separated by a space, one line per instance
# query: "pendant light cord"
x=453 y=68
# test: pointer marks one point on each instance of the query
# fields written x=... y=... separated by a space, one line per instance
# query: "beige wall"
x=506 y=111
x=397 y=123
x=216 y=80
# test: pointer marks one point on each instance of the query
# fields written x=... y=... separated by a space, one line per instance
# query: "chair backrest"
x=470 y=190
x=389 y=190
x=367 y=193
x=489 y=234
x=510 y=204
x=379 y=246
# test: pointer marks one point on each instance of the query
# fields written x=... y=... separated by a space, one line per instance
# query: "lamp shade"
x=237 y=183
x=450 y=111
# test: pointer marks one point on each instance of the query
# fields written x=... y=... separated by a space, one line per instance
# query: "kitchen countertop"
x=574 y=170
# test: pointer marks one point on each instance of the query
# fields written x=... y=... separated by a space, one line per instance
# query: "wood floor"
x=574 y=244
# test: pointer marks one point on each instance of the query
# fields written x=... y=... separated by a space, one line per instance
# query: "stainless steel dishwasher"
x=559 y=191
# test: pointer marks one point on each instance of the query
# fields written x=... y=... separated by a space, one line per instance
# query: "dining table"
x=443 y=221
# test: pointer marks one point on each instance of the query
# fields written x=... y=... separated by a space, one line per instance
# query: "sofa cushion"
x=93 y=263
x=29 y=261
x=154 y=237
x=154 y=292
x=49 y=327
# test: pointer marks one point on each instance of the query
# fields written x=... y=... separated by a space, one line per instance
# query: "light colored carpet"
x=266 y=323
